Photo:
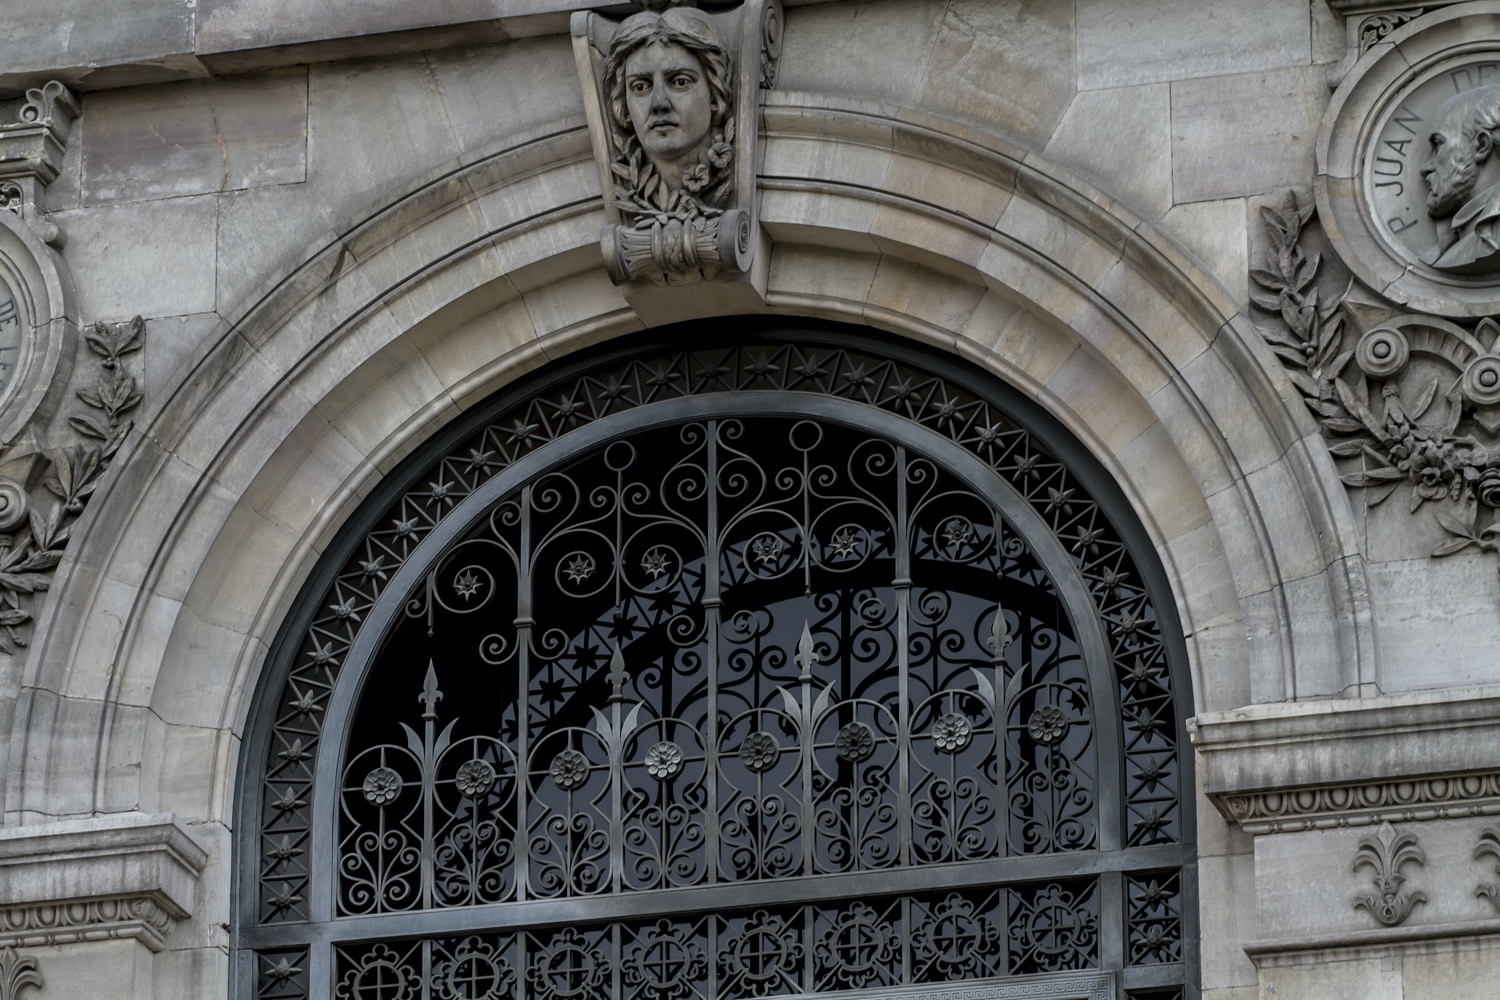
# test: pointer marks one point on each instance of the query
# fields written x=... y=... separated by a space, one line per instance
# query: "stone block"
x=1215 y=232
x=149 y=259
x=876 y=50
x=1452 y=970
x=1099 y=403
x=814 y=273
x=1127 y=43
x=171 y=343
x=263 y=229
x=1432 y=614
x=1007 y=63
x=229 y=25
x=195 y=137
x=42 y=36
x=499 y=91
x=1357 y=979
x=1246 y=134
x=1120 y=139
x=1226 y=889
x=1161 y=483
x=932 y=298
x=351 y=163
x=124 y=854
x=1034 y=347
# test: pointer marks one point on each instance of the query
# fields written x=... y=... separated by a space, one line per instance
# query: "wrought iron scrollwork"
x=734 y=651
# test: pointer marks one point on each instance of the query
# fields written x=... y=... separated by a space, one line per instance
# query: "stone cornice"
x=1280 y=768
x=125 y=876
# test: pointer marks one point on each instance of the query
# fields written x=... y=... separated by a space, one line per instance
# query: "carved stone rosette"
x=673 y=104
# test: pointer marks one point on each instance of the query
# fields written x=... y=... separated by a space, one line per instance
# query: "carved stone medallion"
x=1408 y=184
x=1432 y=180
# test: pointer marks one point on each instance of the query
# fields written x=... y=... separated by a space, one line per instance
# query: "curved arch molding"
x=363 y=345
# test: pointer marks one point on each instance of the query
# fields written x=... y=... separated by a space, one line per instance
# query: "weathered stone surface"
x=1007 y=63
x=1244 y=135
x=147 y=258
x=41 y=35
x=499 y=91
x=878 y=50
x=1215 y=232
x=1125 y=43
x=352 y=162
x=229 y=25
x=196 y=137
x=1120 y=139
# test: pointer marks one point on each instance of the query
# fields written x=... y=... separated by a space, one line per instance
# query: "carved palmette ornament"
x=673 y=103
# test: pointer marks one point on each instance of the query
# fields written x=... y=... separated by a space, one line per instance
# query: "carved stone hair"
x=684 y=26
x=1480 y=108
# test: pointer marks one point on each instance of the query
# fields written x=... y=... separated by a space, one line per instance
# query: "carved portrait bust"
x=668 y=80
x=1463 y=182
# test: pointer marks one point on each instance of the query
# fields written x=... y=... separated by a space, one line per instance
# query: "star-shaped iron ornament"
x=467 y=584
x=579 y=568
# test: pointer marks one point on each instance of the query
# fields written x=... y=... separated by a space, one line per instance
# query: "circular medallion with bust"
x=1431 y=173
x=1462 y=174
x=668 y=76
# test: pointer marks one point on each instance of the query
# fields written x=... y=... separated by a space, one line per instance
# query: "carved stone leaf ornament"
x=1489 y=846
x=16 y=973
x=673 y=95
x=1411 y=402
x=1385 y=854
x=35 y=538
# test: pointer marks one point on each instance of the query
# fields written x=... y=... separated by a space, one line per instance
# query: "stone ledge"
x=1300 y=766
x=103 y=878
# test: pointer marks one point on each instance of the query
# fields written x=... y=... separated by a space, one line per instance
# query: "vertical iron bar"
x=902 y=585
x=524 y=622
x=712 y=602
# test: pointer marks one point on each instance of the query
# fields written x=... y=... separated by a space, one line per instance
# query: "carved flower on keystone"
x=952 y=733
x=855 y=742
x=664 y=761
x=475 y=778
x=381 y=787
x=760 y=751
x=719 y=155
x=570 y=769
x=1047 y=725
x=695 y=178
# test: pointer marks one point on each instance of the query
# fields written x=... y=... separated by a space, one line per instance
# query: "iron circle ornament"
x=1408 y=200
x=651 y=736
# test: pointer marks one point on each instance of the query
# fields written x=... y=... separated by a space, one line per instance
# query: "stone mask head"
x=668 y=77
x=1462 y=141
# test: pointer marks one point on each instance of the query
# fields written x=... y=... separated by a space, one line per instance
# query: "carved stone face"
x=1451 y=169
x=671 y=108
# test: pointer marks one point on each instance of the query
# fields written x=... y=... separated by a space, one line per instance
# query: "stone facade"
x=340 y=230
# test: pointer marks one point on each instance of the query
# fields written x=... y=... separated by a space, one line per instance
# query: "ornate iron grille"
x=732 y=701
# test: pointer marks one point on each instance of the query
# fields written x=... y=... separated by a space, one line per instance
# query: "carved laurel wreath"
x=33 y=540
x=706 y=188
x=1396 y=424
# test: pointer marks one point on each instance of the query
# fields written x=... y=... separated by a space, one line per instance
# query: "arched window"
x=793 y=666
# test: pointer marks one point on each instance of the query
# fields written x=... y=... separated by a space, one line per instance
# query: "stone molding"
x=1292 y=767
x=1364 y=804
x=128 y=876
x=31 y=151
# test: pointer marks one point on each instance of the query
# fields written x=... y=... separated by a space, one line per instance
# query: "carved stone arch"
x=469 y=278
